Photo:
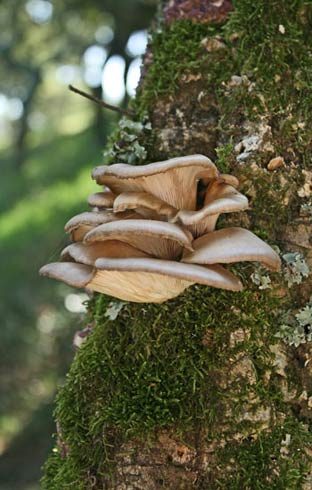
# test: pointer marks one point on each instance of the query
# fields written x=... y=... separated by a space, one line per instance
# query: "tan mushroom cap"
x=173 y=181
x=135 y=200
x=77 y=275
x=226 y=200
x=91 y=218
x=229 y=179
x=156 y=238
x=81 y=224
x=103 y=199
x=232 y=245
x=222 y=178
x=153 y=280
x=88 y=254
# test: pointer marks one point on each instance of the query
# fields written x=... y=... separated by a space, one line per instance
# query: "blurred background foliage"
x=50 y=139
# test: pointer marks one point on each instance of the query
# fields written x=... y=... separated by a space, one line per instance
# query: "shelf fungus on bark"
x=151 y=233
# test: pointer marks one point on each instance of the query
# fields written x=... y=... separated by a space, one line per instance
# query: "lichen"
x=298 y=329
x=125 y=145
x=306 y=209
x=295 y=269
x=261 y=279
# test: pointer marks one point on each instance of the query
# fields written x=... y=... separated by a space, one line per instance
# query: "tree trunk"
x=209 y=390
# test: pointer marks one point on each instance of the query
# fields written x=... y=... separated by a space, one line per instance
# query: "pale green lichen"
x=125 y=145
x=295 y=268
x=306 y=209
x=261 y=279
x=113 y=309
x=298 y=329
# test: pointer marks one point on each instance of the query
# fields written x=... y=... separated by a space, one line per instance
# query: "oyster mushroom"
x=143 y=200
x=135 y=279
x=173 y=181
x=80 y=224
x=148 y=241
x=232 y=245
x=157 y=238
x=103 y=199
x=220 y=198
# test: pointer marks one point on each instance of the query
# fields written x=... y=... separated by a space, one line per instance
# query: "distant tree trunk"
x=207 y=390
x=33 y=77
x=23 y=128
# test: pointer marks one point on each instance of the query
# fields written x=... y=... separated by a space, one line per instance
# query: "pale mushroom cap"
x=232 y=245
x=217 y=190
x=229 y=179
x=81 y=224
x=227 y=200
x=220 y=198
x=221 y=179
x=215 y=275
x=135 y=200
x=157 y=238
x=77 y=234
x=88 y=254
x=103 y=199
x=77 y=275
x=173 y=181
x=91 y=218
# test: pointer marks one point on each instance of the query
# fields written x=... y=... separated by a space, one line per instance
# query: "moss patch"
x=277 y=460
x=143 y=372
x=269 y=43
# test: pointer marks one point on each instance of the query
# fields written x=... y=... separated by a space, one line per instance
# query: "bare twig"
x=101 y=102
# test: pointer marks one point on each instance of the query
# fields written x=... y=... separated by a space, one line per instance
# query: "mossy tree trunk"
x=208 y=390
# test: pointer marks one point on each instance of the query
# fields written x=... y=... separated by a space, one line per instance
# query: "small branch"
x=101 y=102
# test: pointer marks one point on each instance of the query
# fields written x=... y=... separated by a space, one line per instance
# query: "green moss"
x=143 y=372
x=266 y=461
x=276 y=64
x=176 y=51
x=225 y=154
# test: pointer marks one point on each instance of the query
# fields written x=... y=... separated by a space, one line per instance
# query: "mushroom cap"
x=154 y=280
x=81 y=224
x=173 y=181
x=91 y=218
x=77 y=275
x=225 y=199
x=135 y=200
x=156 y=238
x=88 y=254
x=232 y=245
x=103 y=199
x=229 y=179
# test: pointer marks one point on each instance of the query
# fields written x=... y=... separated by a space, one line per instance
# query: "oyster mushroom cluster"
x=151 y=232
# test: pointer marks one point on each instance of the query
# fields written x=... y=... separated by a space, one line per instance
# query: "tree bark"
x=207 y=391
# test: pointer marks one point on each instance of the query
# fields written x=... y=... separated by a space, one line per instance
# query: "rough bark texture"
x=208 y=391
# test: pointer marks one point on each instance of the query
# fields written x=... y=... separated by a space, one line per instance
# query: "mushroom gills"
x=157 y=238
